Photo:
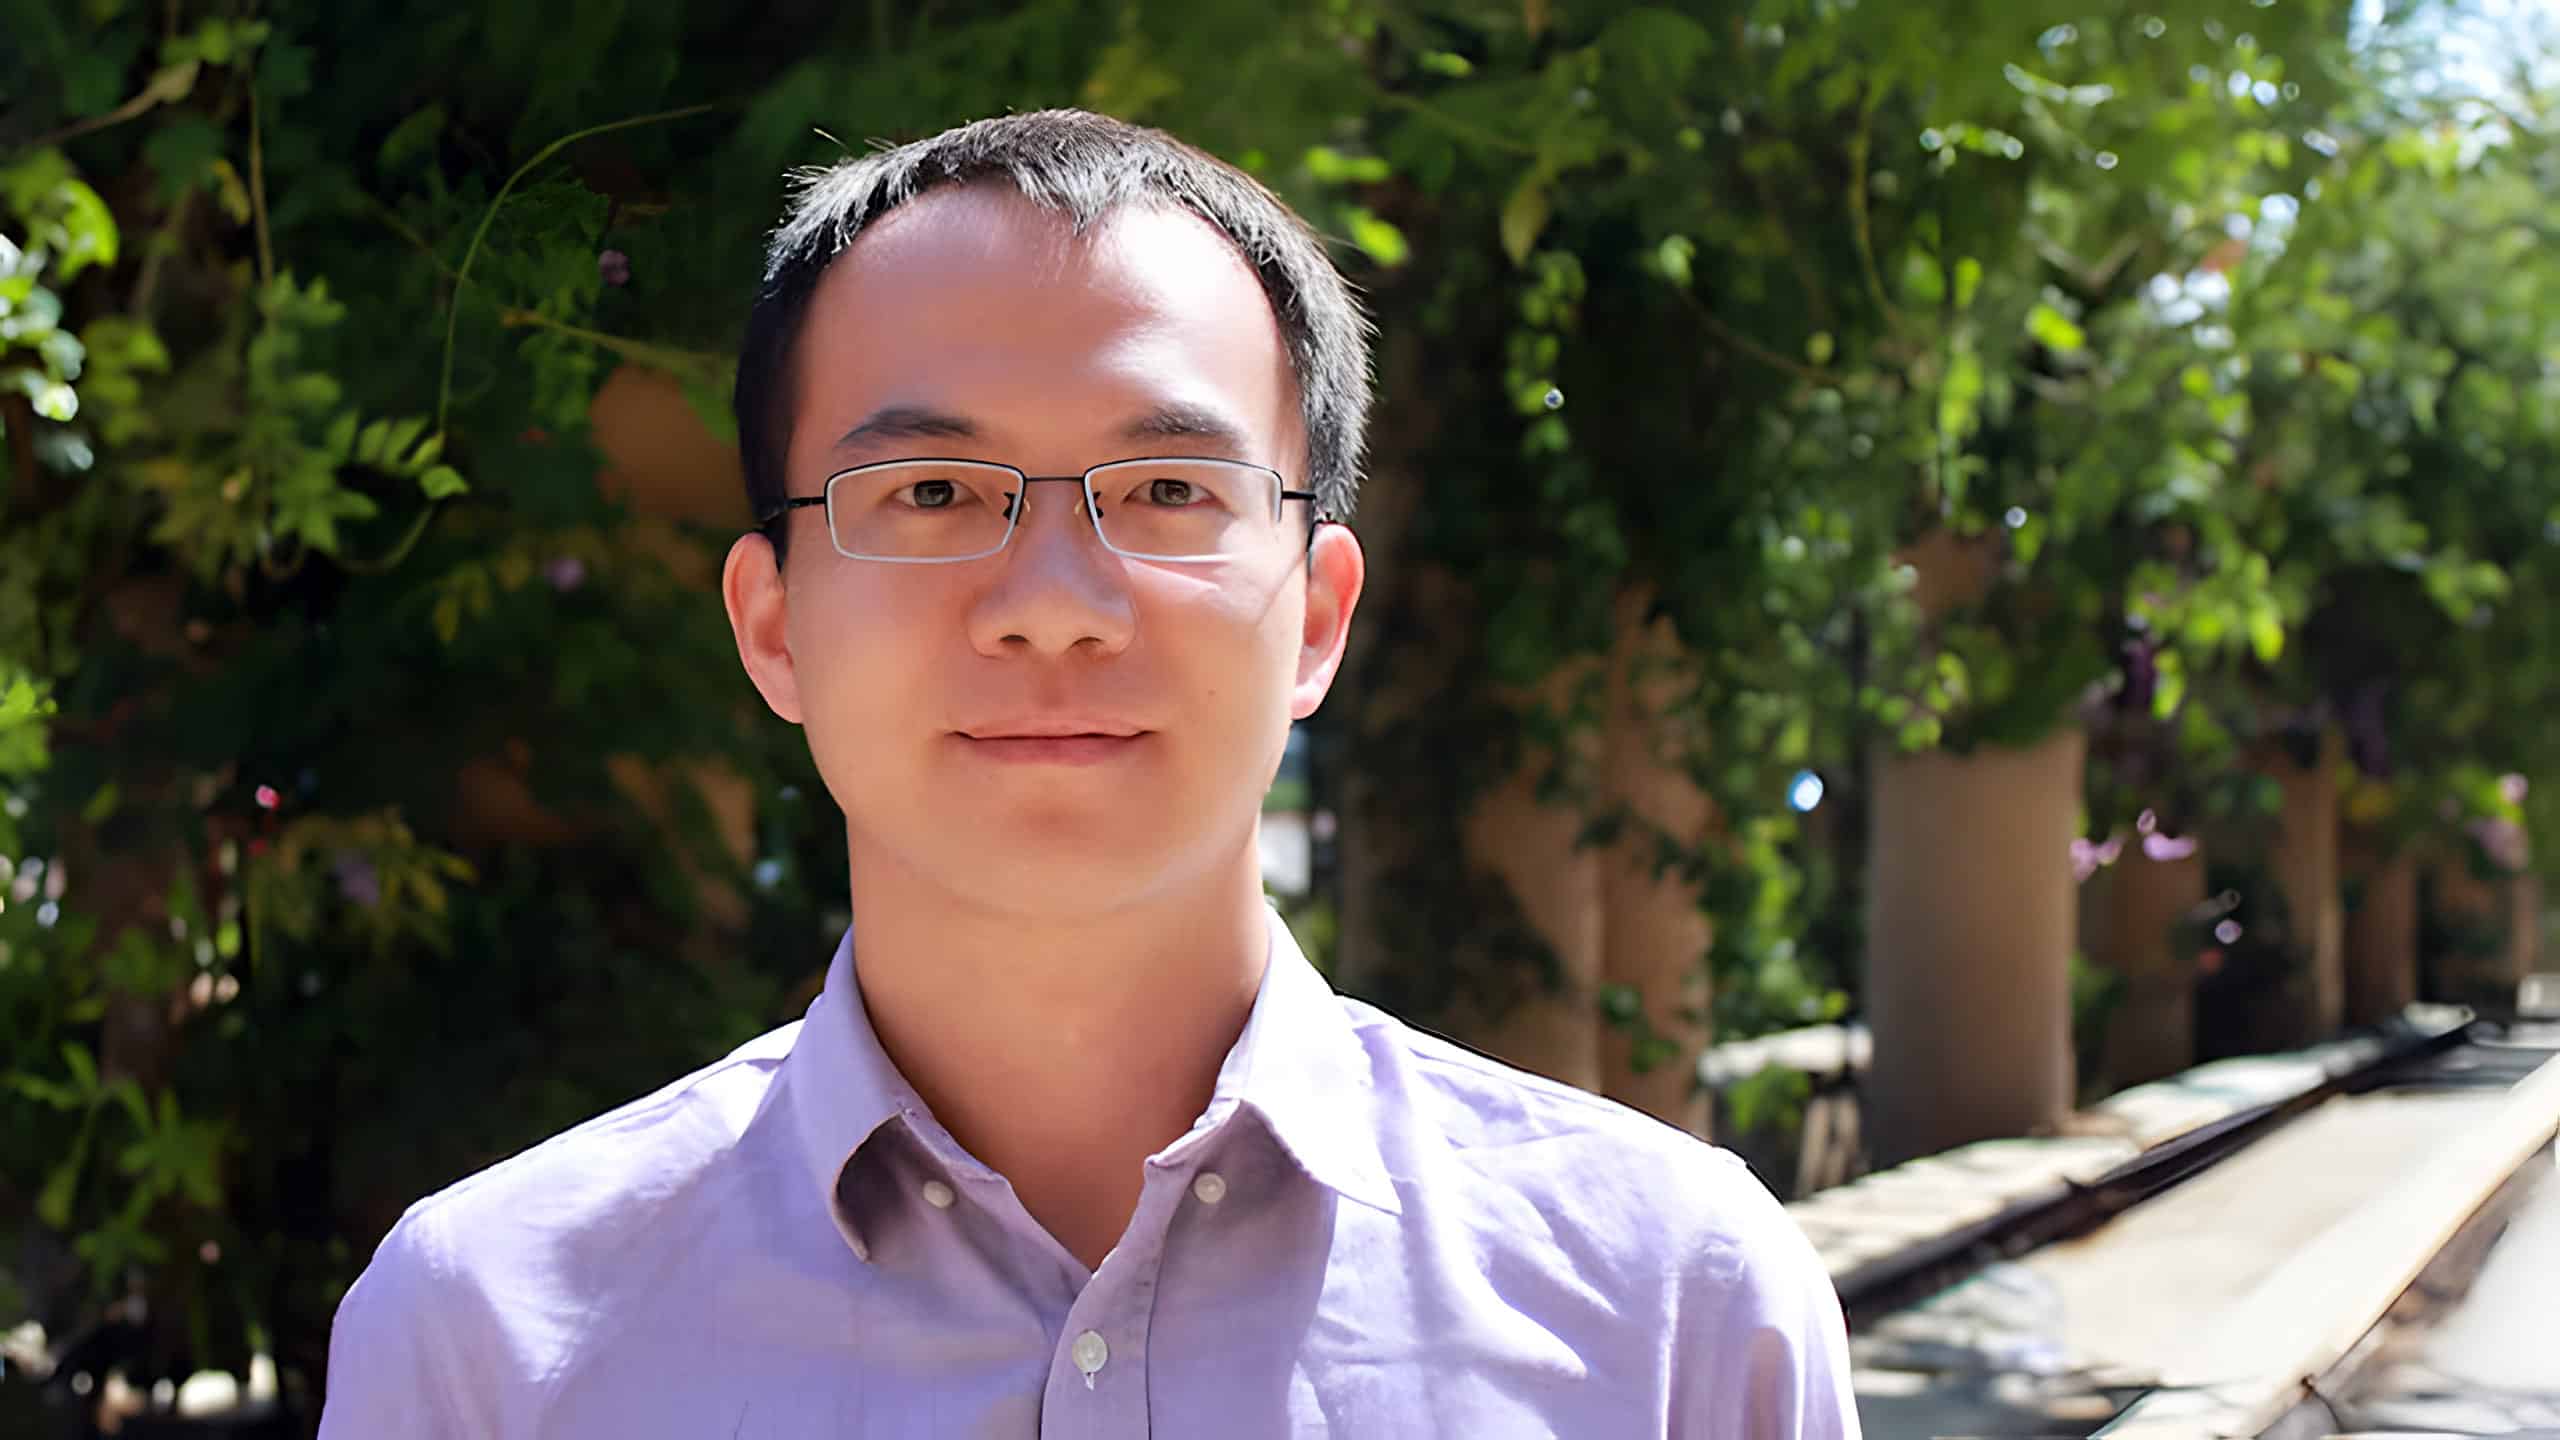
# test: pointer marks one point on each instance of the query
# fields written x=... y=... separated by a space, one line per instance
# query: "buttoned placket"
x=1097 y=1380
x=1098 y=1373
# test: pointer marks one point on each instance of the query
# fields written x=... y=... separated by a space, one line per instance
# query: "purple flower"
x=566 y=573
x=615 y=267
x=357 y=879
x=2503 y=841
x=2088 y=857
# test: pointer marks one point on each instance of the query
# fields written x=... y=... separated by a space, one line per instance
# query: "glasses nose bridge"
x=1077 y=504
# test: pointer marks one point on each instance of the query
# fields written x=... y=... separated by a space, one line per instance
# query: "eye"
x=932 y=494
x=1170 y=492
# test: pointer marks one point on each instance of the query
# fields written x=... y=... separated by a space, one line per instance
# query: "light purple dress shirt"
x=1369 y=1232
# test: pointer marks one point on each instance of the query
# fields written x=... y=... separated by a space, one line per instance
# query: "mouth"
x=1071 y=744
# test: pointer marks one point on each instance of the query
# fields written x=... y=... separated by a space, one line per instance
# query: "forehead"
x=976 y=303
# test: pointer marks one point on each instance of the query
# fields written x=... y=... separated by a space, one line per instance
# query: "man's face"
x=1053 y=729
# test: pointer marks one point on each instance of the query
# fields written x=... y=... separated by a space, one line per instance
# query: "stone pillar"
x=1654 y=936
x=2305 y=864
x=2493 y=931
x=1533 y=847
x=2138 y=902
x=2524 y=934
x=1557 y=884
x=2471 y=964
x=2382 y=930
x=1972 y=913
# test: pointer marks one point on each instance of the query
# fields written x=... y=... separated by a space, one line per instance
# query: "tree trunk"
x=1972 y=912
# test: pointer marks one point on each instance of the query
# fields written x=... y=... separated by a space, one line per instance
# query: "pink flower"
x=2156 y=846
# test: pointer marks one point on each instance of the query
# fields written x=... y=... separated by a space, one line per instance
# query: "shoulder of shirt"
x=623 y=1157
x=1546 y=1140
x=501 y=1278
x=1510 y=1104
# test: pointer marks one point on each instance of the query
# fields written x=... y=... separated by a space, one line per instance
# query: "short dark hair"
x=1087 y=166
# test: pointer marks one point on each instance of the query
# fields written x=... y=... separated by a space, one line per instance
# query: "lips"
x=1053 y=739
x=1057 y=729
x=1054 y=750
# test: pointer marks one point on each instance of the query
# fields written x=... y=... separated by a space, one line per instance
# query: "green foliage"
x=256 y=624
x=1772 y=1098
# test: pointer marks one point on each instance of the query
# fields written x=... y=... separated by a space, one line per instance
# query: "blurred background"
x=1930 y=563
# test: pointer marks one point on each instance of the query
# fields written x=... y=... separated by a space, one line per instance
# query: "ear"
x=751 y=585
x=1336 y=570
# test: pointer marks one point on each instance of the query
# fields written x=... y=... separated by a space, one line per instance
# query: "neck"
x=1017 y=1029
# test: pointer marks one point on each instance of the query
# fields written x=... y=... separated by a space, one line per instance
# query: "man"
x=1050 y=422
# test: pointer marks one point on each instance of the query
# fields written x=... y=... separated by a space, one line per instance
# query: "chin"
x=1062 y=881
x=1060 y=859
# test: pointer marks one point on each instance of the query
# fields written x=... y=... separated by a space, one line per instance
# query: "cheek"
x=860 y=652
x=1238 y=647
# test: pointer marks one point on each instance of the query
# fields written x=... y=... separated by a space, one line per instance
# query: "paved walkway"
x=2482 y=1358
x=2059 y=1341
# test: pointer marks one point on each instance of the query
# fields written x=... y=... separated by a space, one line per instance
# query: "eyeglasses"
x=938 y=512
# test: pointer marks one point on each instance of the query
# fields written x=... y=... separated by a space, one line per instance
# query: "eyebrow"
x=1165 y=422
x=908 y=422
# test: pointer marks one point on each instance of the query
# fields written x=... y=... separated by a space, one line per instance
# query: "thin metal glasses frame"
x=1018 y=502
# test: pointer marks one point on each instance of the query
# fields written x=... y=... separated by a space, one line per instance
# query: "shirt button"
x=938 y=1195
x=1092 y=1353
x=1211 y=1187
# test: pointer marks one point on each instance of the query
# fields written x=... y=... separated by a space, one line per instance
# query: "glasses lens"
x=921 y=509
x=1186 y=509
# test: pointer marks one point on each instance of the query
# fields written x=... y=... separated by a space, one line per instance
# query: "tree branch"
x=1858 y=141
x=665 y=357
x=1753 y=348
x=1464 y=130
x=453 y=316
x=258 y=193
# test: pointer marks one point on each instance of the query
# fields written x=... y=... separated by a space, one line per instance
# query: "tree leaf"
x=395 y=446
x=2055 y=332
x=2266 y=635
x=1968 y=281
x=1524 y=218
x=53 y=1203
x=84 y=1069
x=1380 y=239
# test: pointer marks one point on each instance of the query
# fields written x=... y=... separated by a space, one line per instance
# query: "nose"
x=1055 y=587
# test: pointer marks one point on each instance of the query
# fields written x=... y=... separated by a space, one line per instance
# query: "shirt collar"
x=1299 y=1065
